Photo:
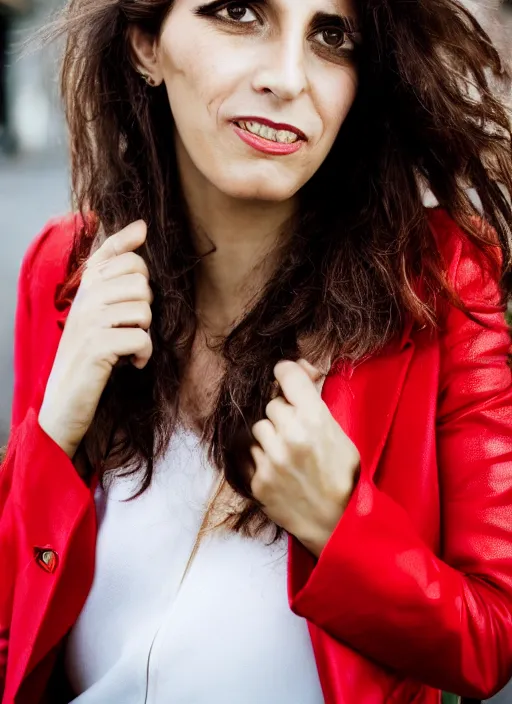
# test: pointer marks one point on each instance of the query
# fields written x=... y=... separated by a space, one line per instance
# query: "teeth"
x=281 y=136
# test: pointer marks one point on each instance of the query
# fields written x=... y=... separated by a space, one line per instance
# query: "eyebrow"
x=346 y=22
x=320 y=18
x=349 y=17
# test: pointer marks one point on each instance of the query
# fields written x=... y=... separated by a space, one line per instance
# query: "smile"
x=281 y=136
x=269 y=137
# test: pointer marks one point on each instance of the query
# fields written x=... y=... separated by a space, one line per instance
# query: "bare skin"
x=241 y=253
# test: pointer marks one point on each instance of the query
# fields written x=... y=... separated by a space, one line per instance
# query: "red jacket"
x=412 y=594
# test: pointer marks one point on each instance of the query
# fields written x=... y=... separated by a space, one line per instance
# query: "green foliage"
x=450 y=698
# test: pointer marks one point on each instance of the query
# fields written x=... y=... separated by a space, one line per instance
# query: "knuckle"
x=112 y=243
x=135 y=285
x=258 y=426
x=140 y=339
x=143 y=266
x=315 y=422
x=286 y=371
x=132 y=259
x=260 y=429
x=145 y=315
x=255 y=487
x=138 y=264
x=261 y=483
x=298 y=440
x=143 y=287
x=141 y=280
x=281 y=458
x=146 y=344
x=271 y=407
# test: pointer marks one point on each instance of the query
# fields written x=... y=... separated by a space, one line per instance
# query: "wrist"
x=316 y=534
x=316 y=543
x=315 y=537
x=47 y=424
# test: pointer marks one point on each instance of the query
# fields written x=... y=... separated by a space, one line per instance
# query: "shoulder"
x=473 y=272
x=36 y=323
x=47 y=255
x=45 y=261
x=448 y=237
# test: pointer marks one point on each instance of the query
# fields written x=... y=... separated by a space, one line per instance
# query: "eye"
x=336 y=38
x=237 y=12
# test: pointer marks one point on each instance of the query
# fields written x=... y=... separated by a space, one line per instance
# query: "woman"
x=255 y=356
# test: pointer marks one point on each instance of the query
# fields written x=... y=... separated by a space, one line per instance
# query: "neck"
x=239 y=241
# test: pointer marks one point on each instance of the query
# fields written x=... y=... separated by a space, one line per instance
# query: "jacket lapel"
x=363 y=399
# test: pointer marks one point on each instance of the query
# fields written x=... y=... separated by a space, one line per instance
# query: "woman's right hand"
x=109 y=319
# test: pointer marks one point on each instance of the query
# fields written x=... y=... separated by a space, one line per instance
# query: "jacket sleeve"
x=443 y=620
x=22 y=352
x=30 y=452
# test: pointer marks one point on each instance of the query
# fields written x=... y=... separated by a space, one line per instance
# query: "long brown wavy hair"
x=426 y=114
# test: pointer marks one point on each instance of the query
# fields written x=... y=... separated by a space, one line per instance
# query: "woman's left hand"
x=305 y=465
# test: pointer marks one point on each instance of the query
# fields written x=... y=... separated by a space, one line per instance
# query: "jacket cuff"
x=308 y=576
x=48 y=490
x=373 y=568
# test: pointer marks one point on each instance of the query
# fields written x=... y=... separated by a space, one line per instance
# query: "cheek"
x=201 y=74
x=188 y=70
x=338 y=96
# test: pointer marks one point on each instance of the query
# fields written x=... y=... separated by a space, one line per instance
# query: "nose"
x=282 y=70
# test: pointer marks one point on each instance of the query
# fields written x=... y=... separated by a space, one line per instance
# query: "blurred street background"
x=33 y=160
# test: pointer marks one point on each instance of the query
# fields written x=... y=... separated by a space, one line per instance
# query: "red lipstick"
x=265 y=145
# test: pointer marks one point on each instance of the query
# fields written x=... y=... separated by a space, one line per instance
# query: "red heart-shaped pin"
x=47 y=559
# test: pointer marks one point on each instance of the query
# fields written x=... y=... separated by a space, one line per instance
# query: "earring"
x=149 y=80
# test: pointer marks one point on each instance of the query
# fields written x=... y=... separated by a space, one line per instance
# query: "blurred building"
x=32 y=81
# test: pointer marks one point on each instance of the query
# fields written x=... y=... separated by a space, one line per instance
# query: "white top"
x=226 y=636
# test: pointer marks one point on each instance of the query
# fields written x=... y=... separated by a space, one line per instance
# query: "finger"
x=127 y=263
x=130 y=314
x=259 y=457
x=280 y=413
x=132 y=342
x=128 y=239
x=288 y=424
x=262 y=474
x=296 y=385
x=131 y=287
x=271 y=443
x=314 y=374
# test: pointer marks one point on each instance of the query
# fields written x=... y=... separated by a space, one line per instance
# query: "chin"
x=263 y=194
x=272 y=189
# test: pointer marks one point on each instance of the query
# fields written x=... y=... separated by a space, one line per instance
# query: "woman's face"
x=258 y=89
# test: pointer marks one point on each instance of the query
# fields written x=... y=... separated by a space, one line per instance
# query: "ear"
x=144 y=54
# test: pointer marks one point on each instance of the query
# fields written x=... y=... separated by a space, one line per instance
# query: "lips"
x=273 y=131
